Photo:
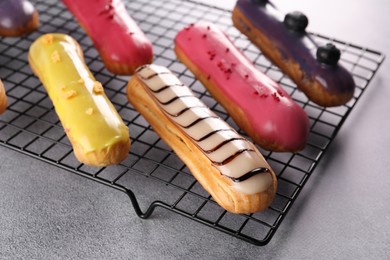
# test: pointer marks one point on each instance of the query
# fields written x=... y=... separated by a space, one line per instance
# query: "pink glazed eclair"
x=121 y=44
x=258 y=105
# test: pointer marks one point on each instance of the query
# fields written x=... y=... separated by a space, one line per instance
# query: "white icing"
x=205 y=126
x=149 y=70
x=243 y=163
x=224 y=152
x=216 y=139
x=229 y=152
x=191 y=116
x=170 y=93
x=258 y=182
x=182 y=103
x=156 y=83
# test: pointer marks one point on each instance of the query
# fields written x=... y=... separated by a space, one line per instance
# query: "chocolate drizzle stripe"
x=174 y=99
x=248 y=174
x=196 y=121
x=154 y=75
x=141 y=68
x=185 y=109
x=223 y=143
x=210 y=134
x=232 y=157
x=166 y=87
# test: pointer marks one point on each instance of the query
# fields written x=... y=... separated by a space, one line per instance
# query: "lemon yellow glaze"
x=88 y=117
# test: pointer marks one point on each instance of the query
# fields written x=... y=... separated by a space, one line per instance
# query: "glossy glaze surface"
x=298 y=47
x=270 y=111
x=85 y=112
x=15 y=14
x=114 y=33
x=233 y=156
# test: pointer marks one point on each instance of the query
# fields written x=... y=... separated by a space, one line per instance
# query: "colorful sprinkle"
x=47 y=39
x=70 y=94
x=211 y=54
x=55 y=57
x=89 y=111
x=97 y=87
x=280 y=93
x=275 y=96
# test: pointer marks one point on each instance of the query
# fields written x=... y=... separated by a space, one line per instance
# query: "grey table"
x=342 y=213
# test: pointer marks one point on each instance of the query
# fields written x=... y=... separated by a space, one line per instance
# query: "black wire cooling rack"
x=152 y=175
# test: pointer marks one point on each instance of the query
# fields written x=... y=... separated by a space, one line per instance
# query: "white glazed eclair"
x=226 y=164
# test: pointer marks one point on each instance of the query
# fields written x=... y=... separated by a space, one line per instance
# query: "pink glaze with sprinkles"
x=271 y=112
x=114 y=33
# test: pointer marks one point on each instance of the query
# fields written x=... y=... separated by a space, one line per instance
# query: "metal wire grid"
x=152 y=175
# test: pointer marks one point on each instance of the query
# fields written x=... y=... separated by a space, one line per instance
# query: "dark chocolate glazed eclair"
x=17 y=17
x=226 y=164
x=283 y=39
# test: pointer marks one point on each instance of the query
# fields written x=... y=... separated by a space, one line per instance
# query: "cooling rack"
x=152 y=175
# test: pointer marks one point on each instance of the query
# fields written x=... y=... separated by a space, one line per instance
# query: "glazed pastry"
x=122 y=45
x=97 y=133
x=315 y=69
x=17 y=17
x=227 y=165
x=258 y=105
x=3 y=98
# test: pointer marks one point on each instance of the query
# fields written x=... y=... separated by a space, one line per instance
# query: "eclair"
x=226 y=164
x=96 y=131
x=283 y=39
x=17 y=17
x=257 y=104
x=121 y=44
x=3 y=98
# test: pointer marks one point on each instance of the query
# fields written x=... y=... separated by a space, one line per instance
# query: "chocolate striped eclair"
x=226 y=164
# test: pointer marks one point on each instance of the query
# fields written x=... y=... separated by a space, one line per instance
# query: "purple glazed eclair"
x=315 y=69
x=17 y=17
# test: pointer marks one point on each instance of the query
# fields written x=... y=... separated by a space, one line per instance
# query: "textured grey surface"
x=342 y=213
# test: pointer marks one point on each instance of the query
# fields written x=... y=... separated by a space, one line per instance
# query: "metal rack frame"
x=31 y=126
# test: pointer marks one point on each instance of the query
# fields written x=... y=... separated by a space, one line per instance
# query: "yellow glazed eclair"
x=228 y=166
x=3 y=98
x=97 y=133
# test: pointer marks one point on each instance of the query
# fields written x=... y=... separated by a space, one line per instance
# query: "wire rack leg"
x=149 y=211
